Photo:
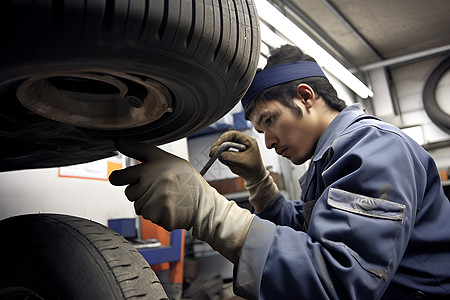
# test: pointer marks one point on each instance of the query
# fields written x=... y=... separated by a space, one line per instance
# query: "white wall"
x=44 y=191
x=41 y=190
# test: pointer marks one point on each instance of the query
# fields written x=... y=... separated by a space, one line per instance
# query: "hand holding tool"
x=224 y=147
x=168 y=191
x=249 y=165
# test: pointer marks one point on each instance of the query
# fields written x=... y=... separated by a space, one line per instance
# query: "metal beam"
x=404 y=58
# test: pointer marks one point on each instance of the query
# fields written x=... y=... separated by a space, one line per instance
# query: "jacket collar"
x=342 y=121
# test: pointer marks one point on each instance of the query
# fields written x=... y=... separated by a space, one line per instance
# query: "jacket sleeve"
x=284 y=212
x=359 y=229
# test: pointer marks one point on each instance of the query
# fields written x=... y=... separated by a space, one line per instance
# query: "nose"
x=270 y=140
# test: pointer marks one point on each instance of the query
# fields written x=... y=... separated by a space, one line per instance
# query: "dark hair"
x=286 y=92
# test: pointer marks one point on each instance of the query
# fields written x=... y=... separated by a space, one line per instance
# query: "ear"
x=306 y=94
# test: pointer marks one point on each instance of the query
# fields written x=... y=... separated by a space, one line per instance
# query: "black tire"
x=49 y=256
x=87 y=72
x=434 y=111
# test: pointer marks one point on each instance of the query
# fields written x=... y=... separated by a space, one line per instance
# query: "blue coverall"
x=372 y=222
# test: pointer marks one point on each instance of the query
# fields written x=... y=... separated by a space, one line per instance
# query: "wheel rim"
x=96 y=100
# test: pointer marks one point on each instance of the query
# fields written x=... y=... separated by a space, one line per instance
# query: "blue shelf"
x=164 y=254
x=126 y=227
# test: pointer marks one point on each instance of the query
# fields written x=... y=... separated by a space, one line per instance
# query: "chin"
x=299 y=160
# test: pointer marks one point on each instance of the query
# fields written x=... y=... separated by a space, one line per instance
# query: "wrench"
x=224 y=147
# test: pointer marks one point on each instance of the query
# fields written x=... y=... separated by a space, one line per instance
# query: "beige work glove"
x=248 y=165
x=168 y=191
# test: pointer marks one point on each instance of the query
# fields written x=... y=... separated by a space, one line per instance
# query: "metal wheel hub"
x=95 y=100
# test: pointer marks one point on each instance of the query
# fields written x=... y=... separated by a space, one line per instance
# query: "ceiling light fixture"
x=291 y=32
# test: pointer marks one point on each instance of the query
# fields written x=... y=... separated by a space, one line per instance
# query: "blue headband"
x=280 y=74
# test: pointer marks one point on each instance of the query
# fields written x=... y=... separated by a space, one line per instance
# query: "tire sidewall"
x=56 y=261
x=195 y=90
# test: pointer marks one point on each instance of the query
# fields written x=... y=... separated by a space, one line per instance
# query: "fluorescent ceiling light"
x=270 y=38
x=270 y=15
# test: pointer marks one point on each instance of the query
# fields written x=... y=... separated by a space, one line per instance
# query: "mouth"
x=281 y=151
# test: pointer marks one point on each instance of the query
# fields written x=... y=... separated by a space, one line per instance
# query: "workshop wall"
x=46 y=191
x=404 y=90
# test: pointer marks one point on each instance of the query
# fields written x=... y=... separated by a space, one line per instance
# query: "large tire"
x=75 y=75
x=49 y=256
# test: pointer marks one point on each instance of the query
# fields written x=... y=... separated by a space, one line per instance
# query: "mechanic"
x=372 y=221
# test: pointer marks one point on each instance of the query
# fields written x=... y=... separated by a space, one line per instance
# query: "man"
x=372 y=221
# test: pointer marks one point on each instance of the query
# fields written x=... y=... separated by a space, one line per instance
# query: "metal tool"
x=224 y=147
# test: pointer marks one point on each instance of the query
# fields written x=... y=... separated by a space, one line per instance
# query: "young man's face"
x=292 y=135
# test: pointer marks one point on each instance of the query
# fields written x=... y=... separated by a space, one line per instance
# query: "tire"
x=434 y=111
x=49 y=256
x=75 y=75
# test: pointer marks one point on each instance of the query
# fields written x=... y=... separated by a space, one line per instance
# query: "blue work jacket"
x=372 y=222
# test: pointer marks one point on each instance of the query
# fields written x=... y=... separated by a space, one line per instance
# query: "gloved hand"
x=168 y=191
x=248 y=164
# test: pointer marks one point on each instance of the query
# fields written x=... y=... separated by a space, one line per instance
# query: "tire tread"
x=127 y=270
x=111 y=246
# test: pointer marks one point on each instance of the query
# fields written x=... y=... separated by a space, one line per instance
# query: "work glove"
x=249 y=165
x=168 y=191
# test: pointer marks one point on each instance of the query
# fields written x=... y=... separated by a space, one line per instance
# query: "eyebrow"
x=261 y=117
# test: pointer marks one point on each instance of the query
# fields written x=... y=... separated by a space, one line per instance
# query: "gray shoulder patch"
x=367 y=206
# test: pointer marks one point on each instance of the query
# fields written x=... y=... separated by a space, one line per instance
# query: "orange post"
x=150 y=230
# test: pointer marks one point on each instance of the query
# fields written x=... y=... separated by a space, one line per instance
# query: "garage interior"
x=392 y=47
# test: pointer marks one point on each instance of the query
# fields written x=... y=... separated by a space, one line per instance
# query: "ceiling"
x=362 y=34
